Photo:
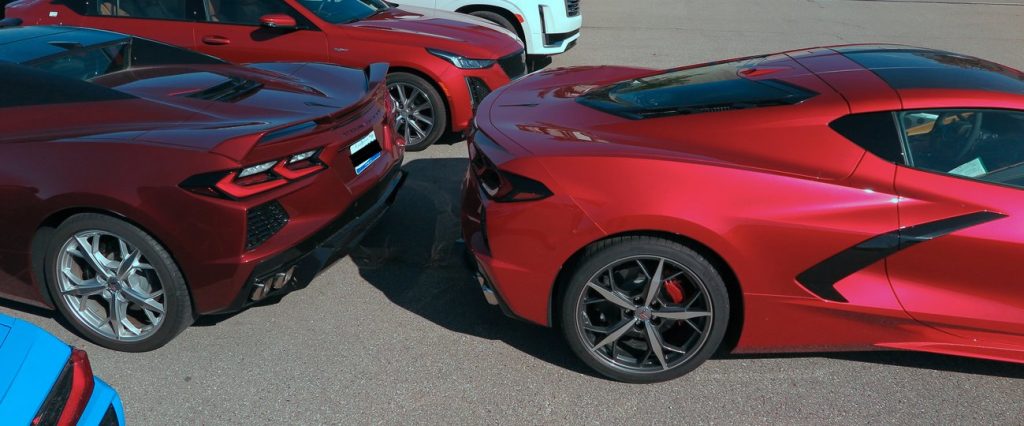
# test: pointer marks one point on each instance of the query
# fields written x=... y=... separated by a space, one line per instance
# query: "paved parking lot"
x=400 y=334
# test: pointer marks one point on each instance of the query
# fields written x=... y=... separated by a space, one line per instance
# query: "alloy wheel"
x=414 y=114
x=109 y=286
x=644 y=314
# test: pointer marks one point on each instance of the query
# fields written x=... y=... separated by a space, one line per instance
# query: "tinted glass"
x=23 y=86
x=86 y=63
x=876 y=132
x=344 y=11
x=926 y=69
x=247 y=12
x=986 y=145
x=717 y=87
x=150 y=53
x=143 y=9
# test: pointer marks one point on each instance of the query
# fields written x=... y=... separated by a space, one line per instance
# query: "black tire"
x=497 y=18
x=439 y=110
x=608 y=252
x=178 y=312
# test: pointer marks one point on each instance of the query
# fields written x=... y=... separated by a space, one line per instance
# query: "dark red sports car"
x=143 y=185
x=442 y=64
x=844 y=198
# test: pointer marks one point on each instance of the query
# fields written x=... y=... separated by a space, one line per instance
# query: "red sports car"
x=143 y=184
x=442 y=64
x=843 y=198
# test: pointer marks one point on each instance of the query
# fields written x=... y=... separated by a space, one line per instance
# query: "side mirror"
x=278 y=21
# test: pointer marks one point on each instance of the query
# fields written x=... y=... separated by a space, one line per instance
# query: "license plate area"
x=364 y=152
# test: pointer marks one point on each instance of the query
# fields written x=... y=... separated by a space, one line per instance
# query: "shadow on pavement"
x=413 y=259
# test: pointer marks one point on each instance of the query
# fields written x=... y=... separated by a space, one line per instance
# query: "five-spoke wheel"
x=642 y=309
x=116 y=284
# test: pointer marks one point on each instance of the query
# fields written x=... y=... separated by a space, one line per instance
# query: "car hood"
x=201 y=106
x=32 y=360
x=540 y=113
x=454 y=32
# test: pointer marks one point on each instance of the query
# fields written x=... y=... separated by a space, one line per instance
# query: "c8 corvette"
x=143 y=184
x=844 y=198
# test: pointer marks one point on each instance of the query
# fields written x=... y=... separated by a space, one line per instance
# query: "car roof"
x=23 y=44
x=903 y=67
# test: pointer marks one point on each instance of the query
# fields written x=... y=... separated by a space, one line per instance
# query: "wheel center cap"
x=644 y=314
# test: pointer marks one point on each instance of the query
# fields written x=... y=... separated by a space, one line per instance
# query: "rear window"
x=716 y=87
x=22 y=86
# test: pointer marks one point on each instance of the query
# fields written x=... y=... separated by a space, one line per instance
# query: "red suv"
x=442 y=64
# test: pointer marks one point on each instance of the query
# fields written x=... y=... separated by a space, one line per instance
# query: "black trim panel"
x=821 y=279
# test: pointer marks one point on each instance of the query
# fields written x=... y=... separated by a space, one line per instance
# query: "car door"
x=960 y=266
x=168 y=21
x=231 y=30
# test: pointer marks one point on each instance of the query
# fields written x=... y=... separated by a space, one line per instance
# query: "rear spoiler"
x=238 y=148
x=10 y=22
x=375 y=74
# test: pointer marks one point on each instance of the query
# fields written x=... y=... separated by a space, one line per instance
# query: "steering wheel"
x=959 y=136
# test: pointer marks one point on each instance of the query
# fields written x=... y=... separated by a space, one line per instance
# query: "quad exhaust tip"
x=274 y=282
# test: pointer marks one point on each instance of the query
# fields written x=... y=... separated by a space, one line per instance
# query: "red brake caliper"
x=675 y=291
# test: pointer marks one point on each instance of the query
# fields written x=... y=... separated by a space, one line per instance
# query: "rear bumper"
x=304 y=261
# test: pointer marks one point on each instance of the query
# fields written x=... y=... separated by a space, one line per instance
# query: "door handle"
x=216 y=40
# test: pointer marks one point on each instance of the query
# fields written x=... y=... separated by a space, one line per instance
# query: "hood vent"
x=233 y=90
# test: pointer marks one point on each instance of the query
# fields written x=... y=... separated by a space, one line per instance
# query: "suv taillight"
x=69 y=395
x=500 y=185
x=257 y=178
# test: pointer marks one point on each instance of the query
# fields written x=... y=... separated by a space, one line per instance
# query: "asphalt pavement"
x=399 y=333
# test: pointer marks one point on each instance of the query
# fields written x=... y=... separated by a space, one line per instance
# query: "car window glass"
x=246 y=12
x=344 y=11
x=144 y=9
x=986 y=145
x=86 y=64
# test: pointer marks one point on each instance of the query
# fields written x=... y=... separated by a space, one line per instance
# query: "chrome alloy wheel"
x=108 y=285
x=644 y=314
x=414 y=115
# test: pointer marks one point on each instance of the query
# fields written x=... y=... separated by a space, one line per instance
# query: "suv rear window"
x=711 y=88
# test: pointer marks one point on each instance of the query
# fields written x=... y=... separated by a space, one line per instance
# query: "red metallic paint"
x=398 y=37
x=127 y=158
x=767 y=191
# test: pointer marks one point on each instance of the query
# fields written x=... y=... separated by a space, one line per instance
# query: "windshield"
x=714 y=87
x=344 y=11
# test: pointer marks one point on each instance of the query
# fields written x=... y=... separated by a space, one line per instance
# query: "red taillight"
x=248 y=186
x=81 y=388
x=257 y=178
x=70 y=394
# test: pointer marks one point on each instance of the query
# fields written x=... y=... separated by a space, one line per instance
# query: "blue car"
x=46 y=382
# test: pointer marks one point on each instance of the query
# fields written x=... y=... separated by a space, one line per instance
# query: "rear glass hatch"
x=719 y=86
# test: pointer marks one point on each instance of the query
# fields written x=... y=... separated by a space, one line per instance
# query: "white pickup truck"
x=547 y=27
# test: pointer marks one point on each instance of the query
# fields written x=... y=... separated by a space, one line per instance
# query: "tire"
x=131 y=287
x=628 y=357
x=496 y=18
x=405 y=84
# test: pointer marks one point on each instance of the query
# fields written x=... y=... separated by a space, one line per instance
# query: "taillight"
x=299 y=165
x=501 y=185
x=257 y=178
x=70 y=394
